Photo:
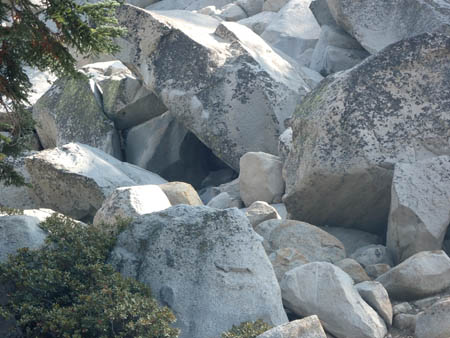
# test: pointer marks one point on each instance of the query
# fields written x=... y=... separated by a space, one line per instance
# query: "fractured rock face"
x=420 y=207
x=325 y=290
x=223 y=81
x=351 y=130
x=377 y=24
x=75 y=179
x=207 y=265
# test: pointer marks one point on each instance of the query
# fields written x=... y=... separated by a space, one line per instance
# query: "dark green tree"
x=40 y=34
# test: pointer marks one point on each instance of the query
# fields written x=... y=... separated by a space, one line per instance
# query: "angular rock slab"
x=325 y=290
x=17 y=232
x=434 y=322
x=309 y=240
x=207 y=265
x=309 y=327
x=71 y=111
x=75 y=179
x=377 y=24
x=181 y=193
x=420 y=207
x=222 y=80
x=351 y=130
x=131 y=202
x=424 y=274
x=377 y=297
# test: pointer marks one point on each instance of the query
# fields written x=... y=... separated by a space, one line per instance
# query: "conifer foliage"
x=39 y=34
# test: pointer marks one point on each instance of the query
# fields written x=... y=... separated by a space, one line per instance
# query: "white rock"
x=75 y=179
x=325 y=290
x=222 y=201
x=260 y=178
x=259 y=212
x=19 y=231
x=285 y=144
x=258 y=22
x=420 y=207
x=294 y=30
x=207 y=265
x=339 y=173
x=378 y=24
x=232 y=12
x=434 y=322
x=190 y=5
x=251 y=7
x=424 y=274
x=309 y=327
x=131 y=202
x=310 y=241
x=377 y=297
x=226 y=84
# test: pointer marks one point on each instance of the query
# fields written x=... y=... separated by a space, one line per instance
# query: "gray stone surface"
x=222 y=80
x=352 y=129
x=376 y=270
x=17 y=232
x=260 y=178
x=424 y=274
x=325 y=290
x=309 y=240
x=75 y=179
x=286 y=259
x=377 y=297
x=405 y=322
x=322 y=13
x=309 y=327
x=377 y=24
x=353 y=269
x=274 y=5
x=259 y=22
x=259 y=212
x=71 y=111
x=208 y=265
x=373 y=254
x=434 y=322
x=420 y=207
x=223 y=201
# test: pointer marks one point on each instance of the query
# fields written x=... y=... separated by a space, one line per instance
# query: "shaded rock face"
x=352 y=129
x=325 y=290
x=223 y=81
x=420 y=207
x=377 y=24
x=164 y=146
x=434 y=322
x=421 y=275
x=207 y=265
x=75 y=179
x=60 y=121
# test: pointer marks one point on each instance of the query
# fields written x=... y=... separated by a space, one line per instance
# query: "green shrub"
x=247 y=330
x=65 y=289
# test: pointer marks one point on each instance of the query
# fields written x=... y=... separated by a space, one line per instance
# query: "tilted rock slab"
x=377 y=297
x=377 y=24
x=422 y=275
x=420 y=207
x=207 y=265
x=220 y=79
x=325 y=290
x=75 y=179
x=351 y=130
x=309 y=327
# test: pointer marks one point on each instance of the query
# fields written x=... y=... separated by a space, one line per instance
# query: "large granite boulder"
x=377 y=297
x=294 y=30
x=75 y=179
x=421 y=275
x=325 y=290
x=434 y=322
x=420 y=207
x=377 y=24
x=352 y=129
x=71 y=111
x=190 y=5
x=181 y=193
x=309 y=240
x=207 y=265
x=222 y=80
